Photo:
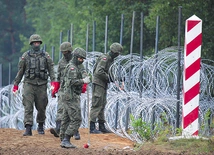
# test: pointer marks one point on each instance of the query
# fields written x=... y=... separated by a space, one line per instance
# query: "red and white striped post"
x=192 y=57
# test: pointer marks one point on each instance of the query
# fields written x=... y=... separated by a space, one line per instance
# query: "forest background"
x=19 y=19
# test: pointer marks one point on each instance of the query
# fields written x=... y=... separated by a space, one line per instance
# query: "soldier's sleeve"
x=72 y=76
x=21 y=69
x=50 y=67
x=83 y=71
x=58 y=74
x=100 y=71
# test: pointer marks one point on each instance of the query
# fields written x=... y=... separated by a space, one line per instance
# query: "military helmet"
x=65 y=46
x=35 y=37
x=116 y=48
x=80 y=52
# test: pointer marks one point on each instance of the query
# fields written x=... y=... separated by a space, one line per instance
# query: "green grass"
x=158 y=139
x=182 y=146
x=194 y=146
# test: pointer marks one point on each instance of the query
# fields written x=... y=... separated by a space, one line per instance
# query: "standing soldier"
x=100 y=84
x=71 y=118
x=35 y=65
x=66 y=49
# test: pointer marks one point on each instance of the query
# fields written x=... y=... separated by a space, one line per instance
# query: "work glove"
x=86 y=79
x=54 y=87
x=84 y=87
x=15 y=89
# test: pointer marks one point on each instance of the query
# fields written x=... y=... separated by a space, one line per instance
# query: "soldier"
x=35 y=65
x=73 y=82
x=66 y=49
x=99 y=85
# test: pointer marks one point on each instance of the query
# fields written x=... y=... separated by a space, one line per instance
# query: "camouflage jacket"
x=60 y=73
x=72 y=80
x=36 y=67
x=101 y=70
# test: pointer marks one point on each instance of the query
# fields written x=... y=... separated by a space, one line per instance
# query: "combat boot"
x=77 y=136
x=55 y=131
x=93 y=129
x=66 y=142
x=61 y=136
x=28 y=130
x=102 y=128
x=40 y=129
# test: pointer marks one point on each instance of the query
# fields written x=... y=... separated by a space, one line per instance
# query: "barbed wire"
x=150 y=92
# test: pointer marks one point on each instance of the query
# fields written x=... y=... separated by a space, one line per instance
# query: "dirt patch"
x=12 y=142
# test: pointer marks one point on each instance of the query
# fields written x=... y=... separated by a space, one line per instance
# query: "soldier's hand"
x=86 y=79
x=54 y=87
x=15 y=89
x=84 y=87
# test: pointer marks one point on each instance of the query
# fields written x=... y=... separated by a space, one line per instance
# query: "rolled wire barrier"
x=150 y=92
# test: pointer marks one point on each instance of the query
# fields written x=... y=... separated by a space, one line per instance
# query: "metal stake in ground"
x=87 y=91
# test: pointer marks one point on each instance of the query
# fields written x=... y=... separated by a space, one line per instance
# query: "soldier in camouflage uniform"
x=73 y=81
x=66 y=49
x=99 y=85
x=36 y=66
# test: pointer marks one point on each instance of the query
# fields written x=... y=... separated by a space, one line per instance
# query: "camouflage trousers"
x=59 y=108
x=98 y=103
x=34 y=95
x=71 y=117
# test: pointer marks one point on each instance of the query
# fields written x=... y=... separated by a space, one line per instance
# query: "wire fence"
x=150 y=90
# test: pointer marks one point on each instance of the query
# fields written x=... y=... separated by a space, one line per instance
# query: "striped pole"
x=192 y=54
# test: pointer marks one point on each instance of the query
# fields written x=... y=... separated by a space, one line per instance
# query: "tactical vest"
x=36 y=66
